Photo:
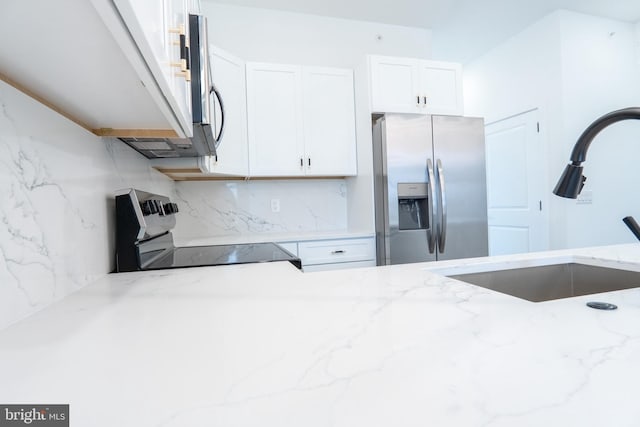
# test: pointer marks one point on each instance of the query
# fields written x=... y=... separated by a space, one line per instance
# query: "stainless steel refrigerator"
x=430 y=188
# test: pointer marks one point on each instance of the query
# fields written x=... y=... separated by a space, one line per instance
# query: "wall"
x=284 y=37
x=57 y=183
x=573 y=68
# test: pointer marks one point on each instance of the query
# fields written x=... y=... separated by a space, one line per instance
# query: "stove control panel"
x=160 y=207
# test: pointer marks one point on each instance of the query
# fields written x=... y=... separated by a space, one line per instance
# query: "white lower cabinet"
x=333 y=254
x=336 y=254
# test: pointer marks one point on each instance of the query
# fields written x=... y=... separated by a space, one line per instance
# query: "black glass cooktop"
x=199 y=256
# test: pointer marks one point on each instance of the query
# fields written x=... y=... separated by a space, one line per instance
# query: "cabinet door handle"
x=338 y=251
x=418 y=99
x=309 y=161
x=424 y=98
x=183 y=52
x=183 y=63
x=301 y=162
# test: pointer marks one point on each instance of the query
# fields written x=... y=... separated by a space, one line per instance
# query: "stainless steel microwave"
x=207 y=134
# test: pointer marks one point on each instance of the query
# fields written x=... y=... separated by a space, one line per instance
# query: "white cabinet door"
x=156 y=27
x=329 y=122
x=228 y=74
x=441 y=87
x=394 y=84
x=301 y=121
x=177 y=21
x=409 y=85
x=274 y=109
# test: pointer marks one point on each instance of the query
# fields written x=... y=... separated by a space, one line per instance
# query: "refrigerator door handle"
x=431 y=191
x=442 y=226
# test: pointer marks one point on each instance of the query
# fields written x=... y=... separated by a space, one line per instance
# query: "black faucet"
x=571 y=182
x=633 y=226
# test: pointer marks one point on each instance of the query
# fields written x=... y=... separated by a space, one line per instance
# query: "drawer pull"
x=339 y=251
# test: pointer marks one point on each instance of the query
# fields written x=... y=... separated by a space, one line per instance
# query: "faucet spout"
x=571 y=182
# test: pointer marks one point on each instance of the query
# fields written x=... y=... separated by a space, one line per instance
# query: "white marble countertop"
x=267 y=345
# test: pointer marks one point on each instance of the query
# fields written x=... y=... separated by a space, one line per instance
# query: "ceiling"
x=462 y=29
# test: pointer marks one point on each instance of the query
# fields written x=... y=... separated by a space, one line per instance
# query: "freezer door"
x=459 y=151
x=402 y=146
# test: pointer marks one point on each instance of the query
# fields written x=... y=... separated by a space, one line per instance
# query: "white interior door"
x=516 y=186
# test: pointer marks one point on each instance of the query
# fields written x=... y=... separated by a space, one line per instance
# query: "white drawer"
x=334 y=251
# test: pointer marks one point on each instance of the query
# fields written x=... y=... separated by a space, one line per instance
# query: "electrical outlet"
x=275 y=205
x=585 y=198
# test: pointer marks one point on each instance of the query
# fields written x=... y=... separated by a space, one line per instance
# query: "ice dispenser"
x=412 y=206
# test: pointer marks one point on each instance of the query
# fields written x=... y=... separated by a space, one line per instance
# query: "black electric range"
x=144 y=241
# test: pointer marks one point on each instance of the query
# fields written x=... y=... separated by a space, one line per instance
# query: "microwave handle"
x=215 y=91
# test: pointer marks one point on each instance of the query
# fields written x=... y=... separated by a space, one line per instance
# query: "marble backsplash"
x=57 y=208
x=236 y=208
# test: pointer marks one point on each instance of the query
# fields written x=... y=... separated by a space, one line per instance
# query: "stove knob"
x=159 y=207
x=147 y=207
x=170 y=208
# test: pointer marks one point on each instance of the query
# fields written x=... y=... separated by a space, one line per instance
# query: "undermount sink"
x=556 y=281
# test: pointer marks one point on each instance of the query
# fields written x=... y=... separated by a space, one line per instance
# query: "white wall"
x=284 y=37
x=57 y=207
x=573 y=68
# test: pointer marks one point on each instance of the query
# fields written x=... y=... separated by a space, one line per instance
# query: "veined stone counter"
x=266 y=345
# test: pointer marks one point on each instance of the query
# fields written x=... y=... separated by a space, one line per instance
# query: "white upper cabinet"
x=228 y=74
x=301 y=121
x=441 y=87
x=394 y=84
x=109 y=72
x=329 y=122
x=160 y=29
x=274 y=116
x=408 y=85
